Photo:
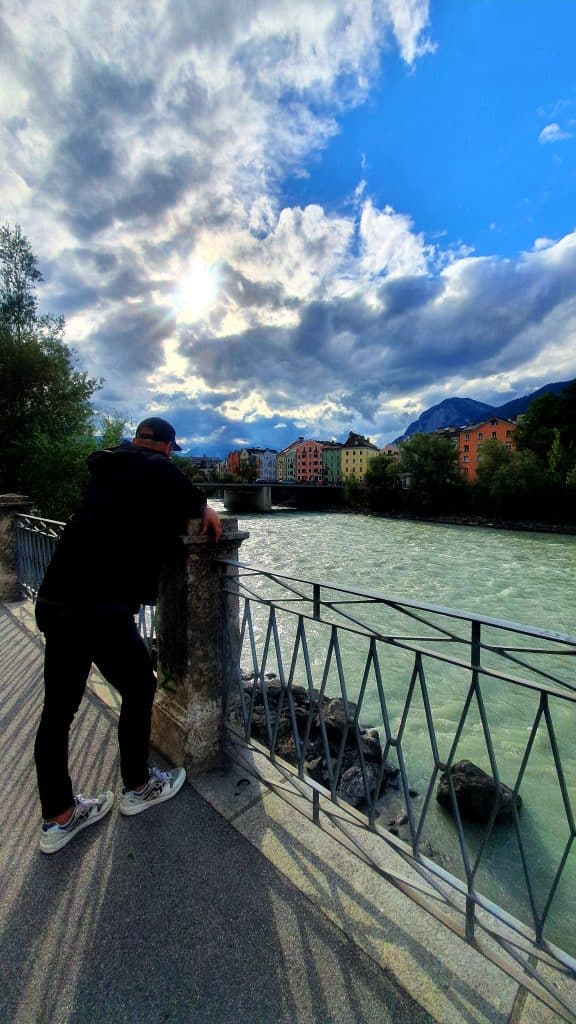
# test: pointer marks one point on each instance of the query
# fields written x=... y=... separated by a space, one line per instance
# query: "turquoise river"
x=524 y=577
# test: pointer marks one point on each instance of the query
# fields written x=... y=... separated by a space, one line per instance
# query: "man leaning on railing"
x=106 y=564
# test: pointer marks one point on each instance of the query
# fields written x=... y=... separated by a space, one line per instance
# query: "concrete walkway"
x=225 y=906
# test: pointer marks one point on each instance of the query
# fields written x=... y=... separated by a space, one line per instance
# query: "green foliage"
x=431 y=464
x=19 y=274
x=382 y=482
x=45 y=412
x=56 y=472
x=382 y=471
x=496 y=459
x=353 y=492
x=112 y=429
x=548 y=431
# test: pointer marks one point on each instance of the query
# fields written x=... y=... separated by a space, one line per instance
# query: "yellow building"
x=355 y=455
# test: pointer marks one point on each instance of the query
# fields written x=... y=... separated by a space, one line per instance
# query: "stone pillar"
x=187 y=713
x=10 y=505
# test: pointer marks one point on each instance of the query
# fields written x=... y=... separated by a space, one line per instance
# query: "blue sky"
x=266 y=219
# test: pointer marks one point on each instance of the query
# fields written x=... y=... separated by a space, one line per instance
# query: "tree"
x=112 y=429
x=19 y=275
x=45 y=411
x=431 y=463
x=548 y=430
x=495 y=459
x=382 y=482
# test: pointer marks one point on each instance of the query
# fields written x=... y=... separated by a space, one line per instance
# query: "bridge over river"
x=259 y=497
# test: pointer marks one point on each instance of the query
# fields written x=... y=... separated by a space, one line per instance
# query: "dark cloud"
x=101 y=89
x=428 y=329
x=16 y=124
x=210 y=23
x=246 y=294
x=159 y=187
x=407 y=293
x=130 y=341
x=83 y=155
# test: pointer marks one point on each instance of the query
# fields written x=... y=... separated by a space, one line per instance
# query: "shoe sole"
x=147 y=805
x=65 y=839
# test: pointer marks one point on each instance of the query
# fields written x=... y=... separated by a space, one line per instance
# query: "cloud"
x=553 y=133
x=139 y=142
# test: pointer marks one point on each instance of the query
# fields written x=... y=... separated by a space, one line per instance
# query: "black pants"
x=73 y=643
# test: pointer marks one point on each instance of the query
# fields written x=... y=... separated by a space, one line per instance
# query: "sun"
x=195 y=291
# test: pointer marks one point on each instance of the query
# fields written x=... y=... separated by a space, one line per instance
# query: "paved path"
x=224 y=906
x=171 y=917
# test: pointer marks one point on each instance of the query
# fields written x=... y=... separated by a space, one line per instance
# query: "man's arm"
x=211 y=523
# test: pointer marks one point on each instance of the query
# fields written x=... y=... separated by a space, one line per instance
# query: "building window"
x=494 y=433
x=480 y=435
x=466 y=447
x=466 y=458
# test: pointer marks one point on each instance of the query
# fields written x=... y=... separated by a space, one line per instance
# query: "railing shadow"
x=168 y=916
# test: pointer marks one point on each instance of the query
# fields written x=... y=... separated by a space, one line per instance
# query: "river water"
x=525 y=577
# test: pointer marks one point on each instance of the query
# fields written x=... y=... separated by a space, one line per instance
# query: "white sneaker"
x=86 y=812
x=161 y=786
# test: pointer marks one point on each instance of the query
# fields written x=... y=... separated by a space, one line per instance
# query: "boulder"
x=353 y=745
x=352 y=787
x=476 y=793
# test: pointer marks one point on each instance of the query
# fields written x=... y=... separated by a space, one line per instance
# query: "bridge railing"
x=372 y=707
x=383 y=709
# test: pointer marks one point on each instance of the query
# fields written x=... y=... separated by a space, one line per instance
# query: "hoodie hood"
x=109 y=462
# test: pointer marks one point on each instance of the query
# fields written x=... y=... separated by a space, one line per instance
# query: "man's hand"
x=211 y=523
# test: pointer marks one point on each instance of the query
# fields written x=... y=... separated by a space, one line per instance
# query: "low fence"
x=374 y=708
x=449 y=736
x=35 y=539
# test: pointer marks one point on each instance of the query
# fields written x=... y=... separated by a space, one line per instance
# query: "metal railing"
x=369 y=705
x=35 y=540
x=364 y=701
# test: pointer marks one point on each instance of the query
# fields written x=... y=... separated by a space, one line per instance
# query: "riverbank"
x=488 y=523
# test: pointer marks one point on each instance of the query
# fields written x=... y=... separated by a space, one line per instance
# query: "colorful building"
x=471 y=440
x=356 y=453
x=331 y=463
x=233 y=463
x=266 y=463
x=309 y=466
x=286 y=464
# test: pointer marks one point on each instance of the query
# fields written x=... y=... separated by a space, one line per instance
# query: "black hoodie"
x=109 y=556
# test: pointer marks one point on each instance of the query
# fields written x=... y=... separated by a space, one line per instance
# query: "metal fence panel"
x=376 y=705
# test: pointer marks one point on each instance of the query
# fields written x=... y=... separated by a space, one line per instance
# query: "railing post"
x=187 y=714
x=10 y=505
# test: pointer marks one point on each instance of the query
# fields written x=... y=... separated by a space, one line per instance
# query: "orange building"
x=233 y=463
x=309 y=466
x=471 y=440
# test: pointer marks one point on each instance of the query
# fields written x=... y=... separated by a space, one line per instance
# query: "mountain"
x=450 y=412
x=457 y=412
x=519 y=405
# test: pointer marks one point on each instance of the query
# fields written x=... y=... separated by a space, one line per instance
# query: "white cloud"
x=553 y=133
x=138 y=141
x=389 y=245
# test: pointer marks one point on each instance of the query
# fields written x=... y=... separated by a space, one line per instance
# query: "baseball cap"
x=157 y=429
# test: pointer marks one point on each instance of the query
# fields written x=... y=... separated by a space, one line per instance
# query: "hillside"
x=457 y=412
